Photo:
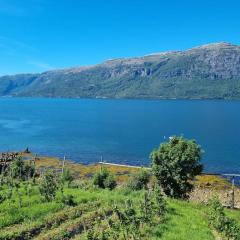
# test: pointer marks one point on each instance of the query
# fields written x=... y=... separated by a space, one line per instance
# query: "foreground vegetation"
x=37 y=219
x=58 y=204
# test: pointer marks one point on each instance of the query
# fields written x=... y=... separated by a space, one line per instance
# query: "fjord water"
x=122 y=131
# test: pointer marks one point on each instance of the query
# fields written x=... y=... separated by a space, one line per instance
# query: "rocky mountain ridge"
x=210 y=71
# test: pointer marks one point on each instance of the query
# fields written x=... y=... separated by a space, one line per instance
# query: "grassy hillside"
x=52 y=220
x=210 y=71
x=36 y=213
x=81 y=210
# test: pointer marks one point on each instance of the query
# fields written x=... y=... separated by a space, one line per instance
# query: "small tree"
x=29 y=171
x=174 y=164
x=49 y=185
x=139 y=180
x=161 y=205
x=103 y=179
x=21 y=170
x=110 y=182
x=67 y=177
x=216 y=214
x=221 y=222
x=17 y=185
x=129 y=221
x=147 y=208
x=17 y=168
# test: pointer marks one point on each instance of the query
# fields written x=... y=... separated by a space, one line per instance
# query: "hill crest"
x=207 y=71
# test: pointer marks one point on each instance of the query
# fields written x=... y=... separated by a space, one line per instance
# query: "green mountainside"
x=206 y=72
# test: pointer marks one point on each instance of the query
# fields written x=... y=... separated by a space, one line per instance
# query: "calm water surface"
x=122 y=131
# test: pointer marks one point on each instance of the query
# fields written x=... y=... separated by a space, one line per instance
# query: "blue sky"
x=39 y=35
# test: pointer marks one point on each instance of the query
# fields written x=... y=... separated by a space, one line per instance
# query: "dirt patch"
x=203 y=195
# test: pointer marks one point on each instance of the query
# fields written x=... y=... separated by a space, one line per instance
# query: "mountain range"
x=207 y=72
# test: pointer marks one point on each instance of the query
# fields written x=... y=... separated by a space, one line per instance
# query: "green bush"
x=110 y=182
x=103 y=179
x=67 y=177
x=67 y=200
x=139 y=181
x=174 y=164
x=161 y=204
x=49 y=185
x=223 y=224
x=95 y=235
x=147 y=208
x=2 y=198
x=134 y=219
x=129 y=222
x=21 y=170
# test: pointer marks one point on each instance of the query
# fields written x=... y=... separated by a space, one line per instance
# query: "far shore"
x=99 y=98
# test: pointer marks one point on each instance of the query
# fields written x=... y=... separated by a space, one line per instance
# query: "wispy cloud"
x=12 y=45
x=41 y=65
x=25 y=53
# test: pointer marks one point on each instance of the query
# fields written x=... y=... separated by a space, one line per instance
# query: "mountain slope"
x=210 y=71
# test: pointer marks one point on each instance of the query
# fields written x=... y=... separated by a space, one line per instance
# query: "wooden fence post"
x=233 y=192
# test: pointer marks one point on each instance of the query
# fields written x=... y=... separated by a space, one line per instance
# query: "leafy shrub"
x=216 y=214
x=95 y=235
x=68 y=200
x=161 y=204
x=134 y=219
x=147 y=208
x=110 y=182
x=67 y=177
x=49 y=185
x=82 y=184
x=21 y=170
x=129 y=221
x=103 y=179
x=174 y=164
x=100 y=177
x=139 y=181
x=222 y=223
x=2 y=198
x=153 y=205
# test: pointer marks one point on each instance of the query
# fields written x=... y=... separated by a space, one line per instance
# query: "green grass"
x=184 y=220
x=32 y=209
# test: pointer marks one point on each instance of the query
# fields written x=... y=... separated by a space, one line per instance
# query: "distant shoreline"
x=124 y=98
x=31 y=155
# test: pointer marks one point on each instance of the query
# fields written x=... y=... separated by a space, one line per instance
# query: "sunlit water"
x=122 y=131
